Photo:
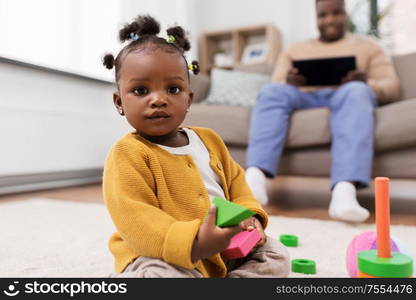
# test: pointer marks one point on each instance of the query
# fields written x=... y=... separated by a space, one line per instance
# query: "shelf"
x=260 y=44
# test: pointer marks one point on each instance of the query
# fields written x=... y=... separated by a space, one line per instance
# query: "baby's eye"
x=174 y=90
x=140 y=91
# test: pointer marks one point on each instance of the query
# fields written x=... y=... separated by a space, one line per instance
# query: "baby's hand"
x=251 y=223
x=212 y=239
x=248 y=224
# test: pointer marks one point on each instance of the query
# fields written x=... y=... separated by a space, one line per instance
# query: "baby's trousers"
x=270 y=260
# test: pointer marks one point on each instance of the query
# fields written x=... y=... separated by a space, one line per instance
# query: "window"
x=73 y=35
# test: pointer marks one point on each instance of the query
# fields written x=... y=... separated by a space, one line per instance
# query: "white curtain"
x=404 y=24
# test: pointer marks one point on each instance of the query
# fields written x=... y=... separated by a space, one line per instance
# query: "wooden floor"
x=92 y=193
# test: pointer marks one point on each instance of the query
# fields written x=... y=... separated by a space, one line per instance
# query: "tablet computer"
x=325 y=71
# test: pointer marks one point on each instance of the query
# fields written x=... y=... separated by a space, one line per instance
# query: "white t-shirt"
x=199 y=153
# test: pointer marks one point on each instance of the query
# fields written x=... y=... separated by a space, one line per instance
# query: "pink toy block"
x=241 y=244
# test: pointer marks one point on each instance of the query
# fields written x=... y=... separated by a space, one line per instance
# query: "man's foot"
x=344 y=205
x=256 y=180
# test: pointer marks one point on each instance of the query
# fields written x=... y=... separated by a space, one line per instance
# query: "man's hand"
x=354 y=75
x=212 y=239
x=253 y=223
x=294 y=78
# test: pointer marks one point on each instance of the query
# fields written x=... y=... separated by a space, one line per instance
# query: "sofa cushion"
x=317 y=162
x=395 y=129
x=296 y=191
x=396 y=125
x=309 y=128
x=235 y=88
x=405 y=66
x=230 y=122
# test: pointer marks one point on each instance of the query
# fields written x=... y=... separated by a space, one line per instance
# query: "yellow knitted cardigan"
x=158 y=200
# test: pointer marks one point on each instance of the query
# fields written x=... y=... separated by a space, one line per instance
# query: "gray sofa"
x=304 y=170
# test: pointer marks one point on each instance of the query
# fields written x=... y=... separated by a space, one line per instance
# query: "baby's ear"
x=191 y=97
x=117 y=100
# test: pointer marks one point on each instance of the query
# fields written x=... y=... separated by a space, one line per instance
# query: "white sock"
x=344 y=205
x=257 y=182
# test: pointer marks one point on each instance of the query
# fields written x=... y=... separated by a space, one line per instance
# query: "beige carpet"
x=55 y=238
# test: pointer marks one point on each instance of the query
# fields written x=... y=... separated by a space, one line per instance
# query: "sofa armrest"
x=200 y=86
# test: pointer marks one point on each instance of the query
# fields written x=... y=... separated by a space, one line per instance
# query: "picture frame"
x=254 y=53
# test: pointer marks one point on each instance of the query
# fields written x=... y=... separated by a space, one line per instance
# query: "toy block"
x=382 y=262
x=230 y=214
x=289 y=240
x=304 y=266
x=241 y=244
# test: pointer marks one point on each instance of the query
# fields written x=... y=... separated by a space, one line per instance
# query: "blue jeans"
x=352 y=127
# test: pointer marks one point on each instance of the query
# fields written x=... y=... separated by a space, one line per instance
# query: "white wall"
x=168 y=13
x=295 y=18
x=51 y=122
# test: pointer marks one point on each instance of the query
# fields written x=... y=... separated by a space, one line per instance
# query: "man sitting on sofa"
x=352 y=105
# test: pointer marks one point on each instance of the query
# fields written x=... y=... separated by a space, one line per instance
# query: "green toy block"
x=230 y=214
x=289 y=240
x=399 y=265
x=305 y=266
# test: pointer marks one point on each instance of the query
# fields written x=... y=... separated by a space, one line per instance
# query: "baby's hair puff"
x=142 y=34
x=142 y=26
